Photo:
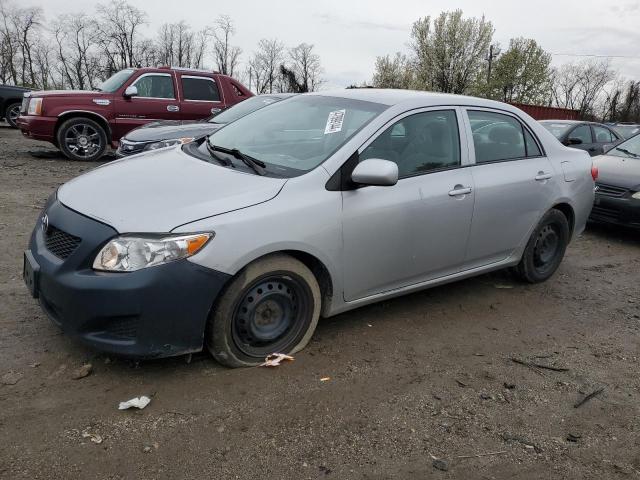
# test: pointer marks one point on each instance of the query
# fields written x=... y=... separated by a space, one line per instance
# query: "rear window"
x=200 y=88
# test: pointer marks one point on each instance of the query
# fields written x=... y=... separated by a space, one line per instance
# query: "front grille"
x=124 y=328
x=610 y=190
x=25 y=104
x=604 y=212
x=61 y=244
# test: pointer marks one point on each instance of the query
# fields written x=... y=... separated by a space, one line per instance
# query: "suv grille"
x=610 y=190
x=61 y=244
x=25 y=104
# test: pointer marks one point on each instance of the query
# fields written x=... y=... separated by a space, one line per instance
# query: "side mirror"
x=575 y=141
x=374 y=171
x=131 y=91
x=606 y=148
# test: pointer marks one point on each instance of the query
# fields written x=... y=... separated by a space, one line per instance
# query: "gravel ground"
x=423 y=386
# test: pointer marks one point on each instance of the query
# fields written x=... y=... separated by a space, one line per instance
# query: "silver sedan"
x=313 y=206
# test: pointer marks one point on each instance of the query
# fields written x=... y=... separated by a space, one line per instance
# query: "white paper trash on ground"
x=138 y=402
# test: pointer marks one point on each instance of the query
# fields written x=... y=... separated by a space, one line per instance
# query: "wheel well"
x=320 y=272
x=97 y=118
x=567 y=211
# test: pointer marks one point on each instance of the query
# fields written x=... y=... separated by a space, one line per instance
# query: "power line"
x=593 y=55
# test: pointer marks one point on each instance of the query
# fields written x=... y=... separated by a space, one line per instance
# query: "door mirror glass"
x=575 y=141
x=375 y=171
x=131 y=91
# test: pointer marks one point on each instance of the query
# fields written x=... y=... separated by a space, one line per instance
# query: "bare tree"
x=119 y=26
x=578 y=86
x=264 y=66
x=226 y=55
x=76 y=38
x=306 y=66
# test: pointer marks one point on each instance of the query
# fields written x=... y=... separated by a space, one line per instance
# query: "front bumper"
x=617 y=210
x=155 y=312
x=37 y=127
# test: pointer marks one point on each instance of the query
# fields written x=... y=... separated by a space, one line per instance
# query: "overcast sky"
x=349 y=34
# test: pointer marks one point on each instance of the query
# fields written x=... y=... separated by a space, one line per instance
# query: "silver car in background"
x=309 y=208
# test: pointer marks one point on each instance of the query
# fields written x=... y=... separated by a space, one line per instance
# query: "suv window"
x=498 y=137
x=200 y=88
x=603 y=135
x=583 y=132
x=155 y=86
x=419 y=143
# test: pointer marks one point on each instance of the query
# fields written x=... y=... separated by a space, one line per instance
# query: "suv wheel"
x=12 y=113
x=82 y=139
x=272 y=306
x=545 y=249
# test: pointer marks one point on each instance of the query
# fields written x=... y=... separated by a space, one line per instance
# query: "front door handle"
x=541 y=177
x=459 y=190
x=173 y=108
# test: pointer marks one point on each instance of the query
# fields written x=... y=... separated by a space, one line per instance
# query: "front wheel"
x=545 y=249
x=82 y=139
x=272 y=306
x=12 y=113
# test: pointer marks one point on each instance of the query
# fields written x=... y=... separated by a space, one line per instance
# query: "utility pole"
x=492 y=55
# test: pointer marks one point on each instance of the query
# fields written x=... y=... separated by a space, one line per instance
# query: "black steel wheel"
x=272 y=306
x=545 y=249
x=82 y=139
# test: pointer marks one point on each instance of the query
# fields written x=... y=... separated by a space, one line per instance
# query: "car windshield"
x=557 y=129
x=115 y=81
x=627 y=149
x=296 y=136
x=627 y=131
x=243 y=108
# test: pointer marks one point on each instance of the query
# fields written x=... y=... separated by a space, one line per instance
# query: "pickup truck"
x=83 y=123
x=10 y=101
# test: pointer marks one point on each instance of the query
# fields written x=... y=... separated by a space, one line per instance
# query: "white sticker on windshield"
x=334 y=121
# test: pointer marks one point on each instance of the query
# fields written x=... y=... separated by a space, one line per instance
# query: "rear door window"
x=583 y=132
x=200 y=88
x=498 y=137
x=602 y=135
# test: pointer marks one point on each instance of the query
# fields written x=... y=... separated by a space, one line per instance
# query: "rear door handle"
x=173 y=108
x=459 y=190
x=541 y=177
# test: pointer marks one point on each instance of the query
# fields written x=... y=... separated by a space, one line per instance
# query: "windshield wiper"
x=256 y=165
x=212 y=151
x=624 y=150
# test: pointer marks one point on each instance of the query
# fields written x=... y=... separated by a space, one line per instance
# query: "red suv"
x=82 y=123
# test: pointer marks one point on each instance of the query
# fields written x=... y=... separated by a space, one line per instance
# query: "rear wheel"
x=11 y=114
x=272 y=306
x=545 y=249
x=82 y=139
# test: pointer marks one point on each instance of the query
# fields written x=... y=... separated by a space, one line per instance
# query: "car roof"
x=395 y=96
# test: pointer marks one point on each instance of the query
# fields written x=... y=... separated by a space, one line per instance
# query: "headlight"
x=35 y=106
x=128 y=253
x=168 y=143
x=636 y=196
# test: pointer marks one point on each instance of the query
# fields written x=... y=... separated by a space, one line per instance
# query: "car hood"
x=161 y=190
x=168 y=130
x=618 y=171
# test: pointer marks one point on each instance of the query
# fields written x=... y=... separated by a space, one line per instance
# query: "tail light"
x=594 y=172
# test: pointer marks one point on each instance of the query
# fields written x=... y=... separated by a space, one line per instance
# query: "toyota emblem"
x=44 y=222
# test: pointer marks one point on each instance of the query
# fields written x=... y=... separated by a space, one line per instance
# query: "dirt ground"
x=423 y=377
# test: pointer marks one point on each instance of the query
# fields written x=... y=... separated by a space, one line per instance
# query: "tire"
x=271 y=306
x=11 y=113
x=545 y=249
x=82 y=139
